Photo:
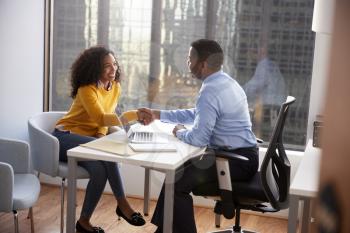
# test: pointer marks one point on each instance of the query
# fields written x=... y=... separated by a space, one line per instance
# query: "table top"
x=157 y=160
x=306 y=180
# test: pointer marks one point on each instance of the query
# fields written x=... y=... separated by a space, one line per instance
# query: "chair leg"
x=62 y=204
x=28 y=216
x=31 y=219
x=217 y=220
x=15 y=216
x=237 y=227
x=146 y=192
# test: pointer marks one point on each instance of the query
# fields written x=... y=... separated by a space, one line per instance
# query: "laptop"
x=145 y=141
x=144 y=137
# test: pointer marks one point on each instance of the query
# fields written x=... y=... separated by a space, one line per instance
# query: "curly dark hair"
x=88 y=67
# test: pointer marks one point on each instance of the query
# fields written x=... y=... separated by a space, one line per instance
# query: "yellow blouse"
x=93 y=110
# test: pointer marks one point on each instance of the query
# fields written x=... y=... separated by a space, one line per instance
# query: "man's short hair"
x=210 y=51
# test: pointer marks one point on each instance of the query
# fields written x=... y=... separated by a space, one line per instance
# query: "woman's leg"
x=95 y=187
x=96 y=170
x=114 y=178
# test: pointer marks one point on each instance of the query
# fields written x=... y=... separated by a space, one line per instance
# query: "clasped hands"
x=146 y=116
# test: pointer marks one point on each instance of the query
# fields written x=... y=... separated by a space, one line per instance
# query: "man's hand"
x=178 y=127
x=147 y=115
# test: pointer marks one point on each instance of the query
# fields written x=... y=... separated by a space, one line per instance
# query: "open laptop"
x=145 y=141
x=144 y=137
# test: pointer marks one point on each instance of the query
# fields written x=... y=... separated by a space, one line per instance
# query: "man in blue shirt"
x=220 y=119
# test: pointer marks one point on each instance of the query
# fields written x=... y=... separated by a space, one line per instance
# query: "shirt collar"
x=101 y=85
x=212 y=76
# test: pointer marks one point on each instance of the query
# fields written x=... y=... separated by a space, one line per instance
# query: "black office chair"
x=267 y=191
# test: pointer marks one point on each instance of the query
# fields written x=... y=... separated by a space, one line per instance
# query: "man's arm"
x=204 y=122
x=182 y=116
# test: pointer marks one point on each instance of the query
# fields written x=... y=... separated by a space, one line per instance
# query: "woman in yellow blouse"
x=95 y=77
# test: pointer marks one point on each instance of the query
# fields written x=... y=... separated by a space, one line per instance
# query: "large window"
x=268 y=47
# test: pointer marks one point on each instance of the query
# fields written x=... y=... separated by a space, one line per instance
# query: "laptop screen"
x=127 y=128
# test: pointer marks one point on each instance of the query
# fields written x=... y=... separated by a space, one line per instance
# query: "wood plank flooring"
x=47 y=217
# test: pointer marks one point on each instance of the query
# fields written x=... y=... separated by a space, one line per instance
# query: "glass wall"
x=268 y=47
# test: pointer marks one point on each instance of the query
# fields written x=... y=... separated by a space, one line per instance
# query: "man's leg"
x=195 y=172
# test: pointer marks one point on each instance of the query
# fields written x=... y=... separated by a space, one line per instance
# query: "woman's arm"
x=88 y=97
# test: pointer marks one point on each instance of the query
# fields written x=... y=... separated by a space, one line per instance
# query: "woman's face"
x=109 y=68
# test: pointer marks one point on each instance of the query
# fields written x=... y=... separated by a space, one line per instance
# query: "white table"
x=166 y=162
x=304 y=187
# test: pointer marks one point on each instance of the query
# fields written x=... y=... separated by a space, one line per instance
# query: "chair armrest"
x=226 y=206
x=7 y=183
x=229 y=155
x=259 y=141
x=44 y=150
x=16 y=153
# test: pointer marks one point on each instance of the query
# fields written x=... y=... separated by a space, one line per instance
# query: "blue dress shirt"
x=220 y=118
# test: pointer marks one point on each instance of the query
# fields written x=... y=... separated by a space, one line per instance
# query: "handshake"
x=147 y=115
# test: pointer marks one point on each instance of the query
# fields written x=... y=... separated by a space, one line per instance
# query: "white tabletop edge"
x=91 y=154
x=306 y=180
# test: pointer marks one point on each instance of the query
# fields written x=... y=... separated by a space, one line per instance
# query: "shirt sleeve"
x=183 y=116
x=102 y=130
x=130 y=115
x=94 y=109
x=205 y=118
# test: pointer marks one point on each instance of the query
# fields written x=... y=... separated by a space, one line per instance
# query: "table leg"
x=169 y=201
x=146 y=192
x=293 y=213
x=71 y=195
x=306 y=216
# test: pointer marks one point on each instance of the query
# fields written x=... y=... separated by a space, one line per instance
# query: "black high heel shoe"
x=81 y=229
x=136 y=218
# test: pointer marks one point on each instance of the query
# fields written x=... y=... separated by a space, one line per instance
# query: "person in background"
x=95 y=80
x=220 y=120
x=266 y=90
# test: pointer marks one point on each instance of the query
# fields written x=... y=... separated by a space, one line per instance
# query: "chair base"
x=231 y=231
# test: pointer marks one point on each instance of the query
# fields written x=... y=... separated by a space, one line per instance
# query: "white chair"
x=45 y=151
x=19 y=188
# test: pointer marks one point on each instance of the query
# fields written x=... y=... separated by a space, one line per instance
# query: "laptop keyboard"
x=142 y=136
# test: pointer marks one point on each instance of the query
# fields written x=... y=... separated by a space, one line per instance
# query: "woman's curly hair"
x=88 y=67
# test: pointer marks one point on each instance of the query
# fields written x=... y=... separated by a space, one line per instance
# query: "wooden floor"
x=47 y=217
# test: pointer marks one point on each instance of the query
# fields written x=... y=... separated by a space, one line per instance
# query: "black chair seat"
x=241 y=190
x=250 y=190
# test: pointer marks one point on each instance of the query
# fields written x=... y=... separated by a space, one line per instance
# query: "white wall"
x=21 y=64
x=322 y=24
x=319 y=78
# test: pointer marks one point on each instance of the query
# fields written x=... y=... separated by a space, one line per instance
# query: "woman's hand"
x=99 y=135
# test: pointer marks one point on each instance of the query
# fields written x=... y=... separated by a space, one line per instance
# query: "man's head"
x=204 y=58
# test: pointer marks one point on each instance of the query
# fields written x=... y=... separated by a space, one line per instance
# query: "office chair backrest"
x=275 y=168
x=44 y=146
